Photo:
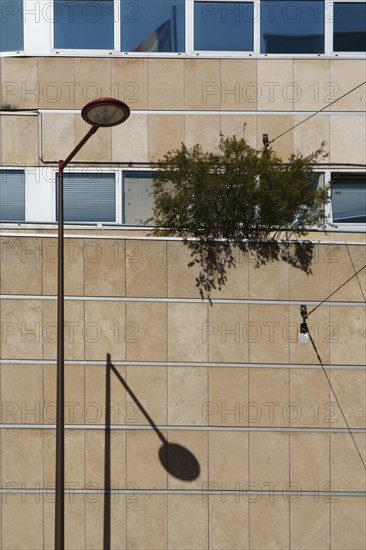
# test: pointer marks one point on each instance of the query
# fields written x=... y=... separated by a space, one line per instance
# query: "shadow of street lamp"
x=99 y=113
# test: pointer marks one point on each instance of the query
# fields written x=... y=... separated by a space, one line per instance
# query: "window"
x=292 y=27
x=153 y=26
x=349 y=34
x=11 y=25
x=137 y=197
x=349 y=198
x=89 y=197
x=223 y=26
x=84 y=24
x=12 y=196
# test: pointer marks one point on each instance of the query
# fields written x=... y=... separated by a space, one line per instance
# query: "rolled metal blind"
x=137 y=198
x=349 y=200
x=12 y=195
x=89 y=197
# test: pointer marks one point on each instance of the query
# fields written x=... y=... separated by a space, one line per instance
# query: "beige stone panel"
x=96 y=378
x=345 y=75
x=130 y=140
x=75 y=521
x=147 y=522
x=56 y=82
x=22 y=522
x=19 y=140
x=184 y=511
x=196 y=443
x=269 y=281
x=144 y=469
x=348 y=341
x=309 y=135
x=310 y=524
x=99 y=147
x=269 y=523
x=146 y=274
x=146 y=331
x=73 y=267
x=269 y=458
x=21 y=322
x=309 y=461
x=311 y=401
x=59 y=143
x=21 y=266
x=96 y=525
x=202 y=129
x=106 y=330
x=75 y=410
x=275 y=84
x=202 y=79
x=76 y=331
x=348 y=523
x=129 y=81
x=351 y=149
x=22 y=457
x=240 y=126
x=105 y=459
x=269 y=397
x=348 y=459
x=350 y=388
x=165 y=84
x=21 y=403
x=321 y=330
x=229 y=459
x=166 y=133
x=274 y=126
x=237 y=279
x=20 y=82
x=185 y=323
x=74 y=458
x=311 y=84
x=187 y=390
x=228 y=403
x=345 y=262
x=315 y=285
x=104 y=267
x=267 y=333
x=237 y=86
x=92 y=79
x=149 y=384
x=181 y=278
x=225 y=333
x=228 y=523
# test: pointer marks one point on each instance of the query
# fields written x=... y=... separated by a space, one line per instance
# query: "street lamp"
x=104 y=112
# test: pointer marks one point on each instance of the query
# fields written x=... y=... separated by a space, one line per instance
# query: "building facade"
x=277 y=428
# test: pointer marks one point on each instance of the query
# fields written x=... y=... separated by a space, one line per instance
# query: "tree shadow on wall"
x=215 y=258
x=177 y=460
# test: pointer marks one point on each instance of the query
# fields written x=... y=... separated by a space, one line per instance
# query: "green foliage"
x=238 y=197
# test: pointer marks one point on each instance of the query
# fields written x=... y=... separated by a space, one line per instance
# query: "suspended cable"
x=317 y=112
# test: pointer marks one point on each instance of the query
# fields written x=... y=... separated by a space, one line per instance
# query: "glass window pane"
x=11 y=25
x=89 y=197
x=349 y=27
x=84 y=24
x=292 y=27
x=152 y=26
x=223 y=26
x=12 y=195
x=137 y=197
x=349 y=199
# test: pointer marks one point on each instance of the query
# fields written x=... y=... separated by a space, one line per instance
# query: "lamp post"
x=103 y=112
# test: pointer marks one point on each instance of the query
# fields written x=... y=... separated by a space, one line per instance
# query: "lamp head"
x=105 y=112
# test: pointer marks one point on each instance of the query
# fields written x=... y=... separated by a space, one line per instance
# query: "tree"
x=238 y=197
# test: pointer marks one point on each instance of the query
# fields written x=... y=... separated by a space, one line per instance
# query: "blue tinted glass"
x=152 y=26
x=292 y=27
x=349 y=200
x=11 y=25
x=84 y=24
x=349 y=27
x=223 y=26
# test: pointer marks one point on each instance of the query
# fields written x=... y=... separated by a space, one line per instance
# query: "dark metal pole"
x=60 y=388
